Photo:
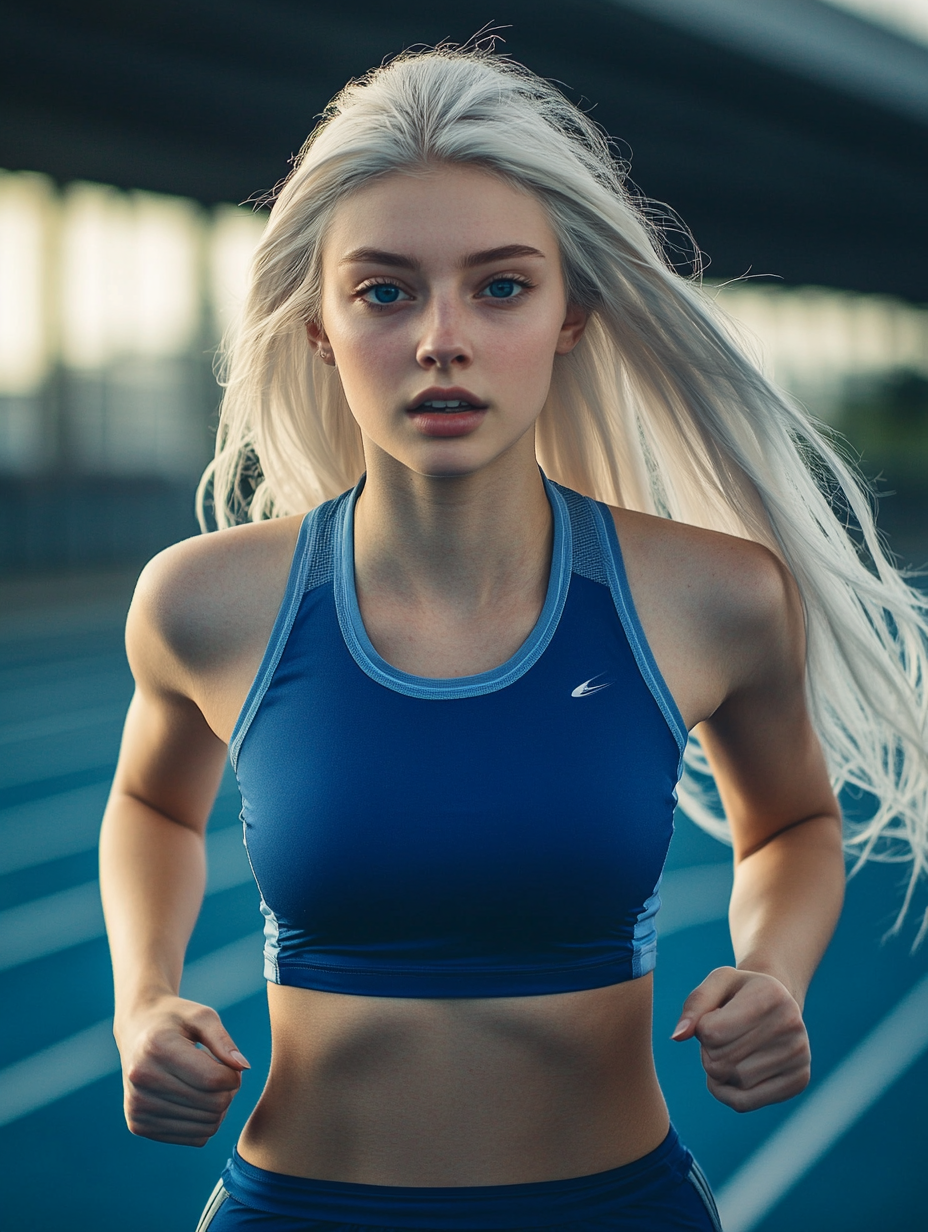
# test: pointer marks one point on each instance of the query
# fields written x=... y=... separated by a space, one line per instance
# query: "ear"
x=319 y=342
x=571 y=330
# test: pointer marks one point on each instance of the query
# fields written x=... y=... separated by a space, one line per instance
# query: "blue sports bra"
x=477 y=836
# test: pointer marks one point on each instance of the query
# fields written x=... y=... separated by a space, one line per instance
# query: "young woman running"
x=457 y=695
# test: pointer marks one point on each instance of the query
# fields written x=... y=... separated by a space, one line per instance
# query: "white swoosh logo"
x=584 y=690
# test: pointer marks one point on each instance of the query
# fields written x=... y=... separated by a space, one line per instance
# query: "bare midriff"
x=490 y=1091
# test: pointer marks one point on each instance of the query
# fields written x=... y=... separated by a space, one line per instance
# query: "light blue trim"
x=286 y=614
x=625 y=606
x=438 y=688
x=271 y=944
x=644 y=935
x=697 y=1178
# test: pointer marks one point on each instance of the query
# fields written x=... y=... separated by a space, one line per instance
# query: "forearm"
x=152 y=877
x=785 y=903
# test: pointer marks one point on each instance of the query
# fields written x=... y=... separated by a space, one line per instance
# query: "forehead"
x=443 y=213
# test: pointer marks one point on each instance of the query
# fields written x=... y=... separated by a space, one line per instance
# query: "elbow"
x=822 y=830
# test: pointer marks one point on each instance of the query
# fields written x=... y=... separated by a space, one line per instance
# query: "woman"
x=457 y=695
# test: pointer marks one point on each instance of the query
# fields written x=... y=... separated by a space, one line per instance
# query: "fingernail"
x=238 y=1058
x=681 y=1026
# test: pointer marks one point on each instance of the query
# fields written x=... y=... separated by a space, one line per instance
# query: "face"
x=443 y=308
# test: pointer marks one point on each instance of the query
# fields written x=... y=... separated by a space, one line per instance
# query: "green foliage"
x=885 y=420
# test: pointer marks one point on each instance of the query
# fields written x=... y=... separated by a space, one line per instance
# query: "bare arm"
x=152 y=875
x=789 y=866
x=197 y=629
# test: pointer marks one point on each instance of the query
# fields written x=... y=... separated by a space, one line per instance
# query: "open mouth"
x=450 y=400
x=447 y=412
x=447 y=406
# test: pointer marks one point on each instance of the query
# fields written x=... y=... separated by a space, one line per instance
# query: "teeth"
x=446 y=406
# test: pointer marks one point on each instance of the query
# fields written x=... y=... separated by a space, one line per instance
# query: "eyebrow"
x=396 y=260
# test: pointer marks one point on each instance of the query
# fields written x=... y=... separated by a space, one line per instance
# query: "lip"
x=439 y=393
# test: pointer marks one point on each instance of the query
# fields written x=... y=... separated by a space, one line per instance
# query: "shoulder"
x=202 y=603
x=738 y=578
x=730 y=604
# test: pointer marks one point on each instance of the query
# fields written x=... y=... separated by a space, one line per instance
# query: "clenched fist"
x=175 y=1091
x=754 y=1045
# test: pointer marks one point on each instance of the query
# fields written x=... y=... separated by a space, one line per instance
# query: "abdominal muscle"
x=490 y=1091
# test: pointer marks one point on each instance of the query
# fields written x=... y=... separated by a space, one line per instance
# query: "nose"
x=444 y=343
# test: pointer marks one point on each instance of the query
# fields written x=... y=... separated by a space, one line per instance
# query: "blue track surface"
x=844 y=1156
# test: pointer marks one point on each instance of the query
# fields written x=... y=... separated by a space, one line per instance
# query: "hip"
x=663 y=1191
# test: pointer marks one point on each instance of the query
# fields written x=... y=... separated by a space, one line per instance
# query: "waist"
x=530 y=1205
x=507 y=1090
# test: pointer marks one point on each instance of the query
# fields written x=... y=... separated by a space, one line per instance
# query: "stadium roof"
x=790 y=135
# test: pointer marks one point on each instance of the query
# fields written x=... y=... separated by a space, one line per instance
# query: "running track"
x=848 y=1156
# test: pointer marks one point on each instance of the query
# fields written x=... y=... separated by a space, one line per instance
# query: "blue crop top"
x=478 y=836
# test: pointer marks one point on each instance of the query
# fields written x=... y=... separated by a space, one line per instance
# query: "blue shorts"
x=664 y=1191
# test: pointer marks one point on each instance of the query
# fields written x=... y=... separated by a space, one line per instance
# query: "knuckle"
x=135 y=1105
x=140 y=1127
x=204 y=1016
x=710 y=1035
x=801 y=1080
x=770 y=997
x=139 y=1074
x=736 y=1099
x=219 y=1081
x=800 y=1051
x=717 y=980
x=155 y=1048
x=716 y=1069
x=721 y=973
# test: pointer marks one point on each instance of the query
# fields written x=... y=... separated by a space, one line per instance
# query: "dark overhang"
x=791 y=136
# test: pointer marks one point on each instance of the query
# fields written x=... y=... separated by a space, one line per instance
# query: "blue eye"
x=504 y=288
x=384 y=293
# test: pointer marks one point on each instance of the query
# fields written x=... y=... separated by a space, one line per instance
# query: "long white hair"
x=657 y=409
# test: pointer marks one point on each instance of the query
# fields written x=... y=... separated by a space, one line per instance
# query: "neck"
x=466 y=540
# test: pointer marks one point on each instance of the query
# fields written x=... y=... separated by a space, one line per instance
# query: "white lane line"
x=48 y=925
x=695 y=895
x=63 y=824
x=826 y=1113
x=221 y=979
x=61 y=724
x=60 y=825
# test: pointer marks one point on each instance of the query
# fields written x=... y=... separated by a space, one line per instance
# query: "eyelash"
x=370 y=283
x=519 y=279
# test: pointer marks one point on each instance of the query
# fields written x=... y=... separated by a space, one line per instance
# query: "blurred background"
x=137 y=143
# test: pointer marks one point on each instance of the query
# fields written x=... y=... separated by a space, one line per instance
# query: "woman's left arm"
x=789 y=864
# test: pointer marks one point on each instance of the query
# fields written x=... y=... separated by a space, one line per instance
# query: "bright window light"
x=129 y=276
x=165 y=315
x=95 y=259
x=26 y=216
x=233 y=238
x=908 y=17
x=811 y=340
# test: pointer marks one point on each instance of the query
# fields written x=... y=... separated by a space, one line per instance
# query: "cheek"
x=525 y=352
x=365 y=357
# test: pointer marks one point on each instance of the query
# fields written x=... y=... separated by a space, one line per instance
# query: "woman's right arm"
x=152 y=877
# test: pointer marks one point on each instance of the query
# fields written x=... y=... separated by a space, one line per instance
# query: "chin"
x=459 y=468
